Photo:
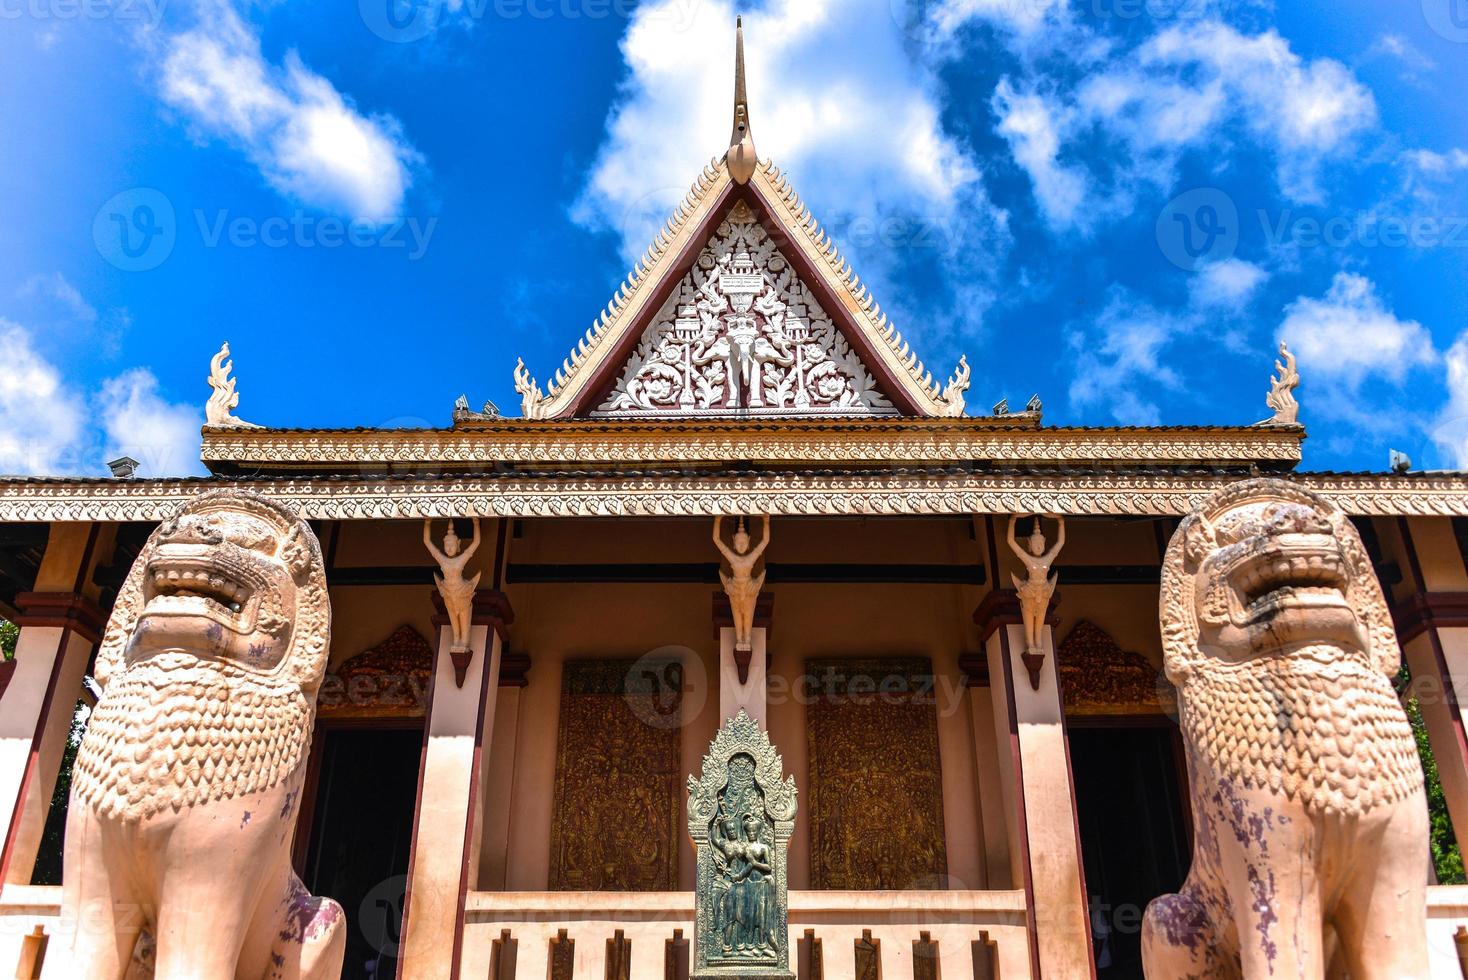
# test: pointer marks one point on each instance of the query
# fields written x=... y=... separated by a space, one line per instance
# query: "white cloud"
x=1437 y=164
x=55 y=287
x=1414 y=62
x=1031 y=124
x=305 y=137
x=1305 y=110
x=1349 y=335
x=1197 y=85
x=49 y=428
x=1024 y=18
x=836 y=100
x=136 y=421
x=1451 y=431
x=40 y=419
x=1119 y=360
x=1229 y=284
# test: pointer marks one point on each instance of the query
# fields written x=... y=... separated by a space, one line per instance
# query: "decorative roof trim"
x=890 y=440
x=883 y=337
x=629 y=305
x=680 y=494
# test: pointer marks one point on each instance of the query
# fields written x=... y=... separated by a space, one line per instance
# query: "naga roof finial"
x=741 y=157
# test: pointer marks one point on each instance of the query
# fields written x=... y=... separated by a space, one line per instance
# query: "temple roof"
x=742 y=306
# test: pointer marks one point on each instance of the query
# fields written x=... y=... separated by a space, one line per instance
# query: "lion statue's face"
x=1266 y=568
x=232 y=578
x=217 y=578
x=1273 y=575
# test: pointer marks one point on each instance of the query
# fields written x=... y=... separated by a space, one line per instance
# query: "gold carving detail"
x=615 y=824
x=1100 y=678
x=389 y=680
x=876 y=784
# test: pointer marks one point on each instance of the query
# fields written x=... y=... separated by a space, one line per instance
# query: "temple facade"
x=741 y=492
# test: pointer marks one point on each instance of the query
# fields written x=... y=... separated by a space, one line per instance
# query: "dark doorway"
x=1134 y=840
x=361 y=832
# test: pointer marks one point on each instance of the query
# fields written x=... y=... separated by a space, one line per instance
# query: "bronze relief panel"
x=615 y=823
x=876 y=784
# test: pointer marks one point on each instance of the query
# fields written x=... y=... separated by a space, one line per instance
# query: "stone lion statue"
x=1308 y=804
x=187 y=783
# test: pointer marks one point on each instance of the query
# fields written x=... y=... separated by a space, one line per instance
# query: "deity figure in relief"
x=740 y=583
x=1036 y=589
x=457 y=591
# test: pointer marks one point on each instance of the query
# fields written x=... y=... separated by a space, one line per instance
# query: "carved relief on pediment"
x=742 y=333
x=389 y=680
x=1098 y=677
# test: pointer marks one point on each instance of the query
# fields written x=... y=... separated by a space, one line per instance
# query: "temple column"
x=59 y=628
x=994 y=775
x=451 y=783
x=1030 y=723
x=742 y=673
x=499 y=789
x=1432 y=626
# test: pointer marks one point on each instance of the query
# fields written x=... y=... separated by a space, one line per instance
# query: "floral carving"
x=742 y=332
x=1100 y=678
x=390 y=679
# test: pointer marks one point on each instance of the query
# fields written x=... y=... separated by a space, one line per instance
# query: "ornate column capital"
x=514 y=669
x=491 y=608
x=1002 y=608
x=1429 y=610
x=64 y=609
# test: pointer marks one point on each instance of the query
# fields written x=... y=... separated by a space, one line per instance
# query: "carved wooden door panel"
x=876 y=785
x=617 y=809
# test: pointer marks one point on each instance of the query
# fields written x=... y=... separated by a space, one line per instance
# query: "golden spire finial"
x=741 y=157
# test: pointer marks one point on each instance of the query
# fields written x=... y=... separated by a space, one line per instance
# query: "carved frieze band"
x=676 y=495
x=952 y=442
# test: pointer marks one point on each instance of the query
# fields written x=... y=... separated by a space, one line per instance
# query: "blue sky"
x=1122 y=205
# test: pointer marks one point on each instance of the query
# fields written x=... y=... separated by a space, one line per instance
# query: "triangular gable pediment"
x=742 y=307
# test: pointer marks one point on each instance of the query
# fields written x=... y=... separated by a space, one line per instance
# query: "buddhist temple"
x=743 y=491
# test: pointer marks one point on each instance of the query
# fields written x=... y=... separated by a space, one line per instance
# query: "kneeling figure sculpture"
x=188 y=781
x=1307 y=792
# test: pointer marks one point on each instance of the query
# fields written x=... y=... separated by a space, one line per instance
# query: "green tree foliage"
x=48 y=860
x=1447 y=857
x=9 y=633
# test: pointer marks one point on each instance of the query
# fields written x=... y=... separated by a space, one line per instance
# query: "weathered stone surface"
x=1307 y=790
x=188 y=781
x=741 y=813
